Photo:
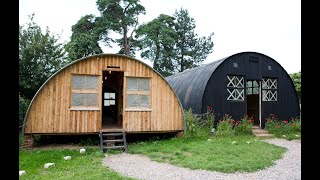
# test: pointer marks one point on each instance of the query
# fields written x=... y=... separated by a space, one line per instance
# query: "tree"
x=296 y=79
x=190 y=50
x=156 y=40
x=84 y=39
x=40 y=55
x=119 y=16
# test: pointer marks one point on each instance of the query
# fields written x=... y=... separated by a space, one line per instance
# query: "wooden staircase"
x=113 y=140
x=258 y=132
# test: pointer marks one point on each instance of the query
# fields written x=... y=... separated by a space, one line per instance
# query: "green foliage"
x=191 y=122
x=284 y=128
x=119 y=16
x=81 y=166
x=213 y=154
x=225 y=126
x=198 y=126
x=40 y=55
x=244 y=126
x=89 y=141
x=172 y=44
x=156 y=40
x=190 y=50
x=23 y=107
x=296 y=79
x=84 y=39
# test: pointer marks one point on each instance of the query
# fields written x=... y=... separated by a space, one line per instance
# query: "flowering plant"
x=244 y=126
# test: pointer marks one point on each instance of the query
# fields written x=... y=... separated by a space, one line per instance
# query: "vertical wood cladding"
x=51 y=112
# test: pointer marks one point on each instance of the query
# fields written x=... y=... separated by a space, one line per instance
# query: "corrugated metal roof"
x=190 y=84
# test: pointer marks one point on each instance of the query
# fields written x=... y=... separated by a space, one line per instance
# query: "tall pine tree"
x=84 y=39
x=156 y=40
x=190 y=50
x=120 y=16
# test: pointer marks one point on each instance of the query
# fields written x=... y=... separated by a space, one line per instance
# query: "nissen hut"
x=101 y=93
x=247 y=83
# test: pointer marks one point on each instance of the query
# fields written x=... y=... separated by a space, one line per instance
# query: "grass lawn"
x=223 y=154
x=81 y=166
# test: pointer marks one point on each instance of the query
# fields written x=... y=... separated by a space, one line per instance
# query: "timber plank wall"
x=50 y=112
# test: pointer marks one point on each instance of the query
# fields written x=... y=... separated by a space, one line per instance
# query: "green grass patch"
x=81 y=166
x=223 y=154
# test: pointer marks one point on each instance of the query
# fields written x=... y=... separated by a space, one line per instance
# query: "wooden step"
x=113 y=147
x=112 y=134
x=108 y=141
x=114 y=140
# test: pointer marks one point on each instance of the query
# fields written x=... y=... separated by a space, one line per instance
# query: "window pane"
x=249 y=90
x=78 y=81
x=255 y=84
x=92 y=82
x=239 y=81
x=132 y=84
x=144 y=84
x=92 y=99
x=265 y=95
x=106 y=103
x=77 y=99
x=132 y=100
x=249 y=83
x=112 y=95
x=144 y=100
x=112 y=102
x=255 y=90
x=106 y=95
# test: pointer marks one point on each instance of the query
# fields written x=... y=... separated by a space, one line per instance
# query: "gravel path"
x=141 y=167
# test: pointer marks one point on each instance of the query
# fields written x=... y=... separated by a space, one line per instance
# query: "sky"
x=270 y=27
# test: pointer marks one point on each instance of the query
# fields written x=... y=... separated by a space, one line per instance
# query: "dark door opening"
x=253 y=101
x=112 y=100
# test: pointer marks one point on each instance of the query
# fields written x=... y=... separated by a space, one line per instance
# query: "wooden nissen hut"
x=104 y=92
x=245 y=83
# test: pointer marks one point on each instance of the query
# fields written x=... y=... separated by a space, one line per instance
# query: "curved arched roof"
x=97 y=55
x=191 y=84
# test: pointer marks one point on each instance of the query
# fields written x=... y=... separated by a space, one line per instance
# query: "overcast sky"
x=270 y=27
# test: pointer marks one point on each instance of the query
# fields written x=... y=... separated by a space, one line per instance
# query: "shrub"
x=191 y=121
x=199 y=125
x=279 y=128
x=225 y=126
x=244 y=126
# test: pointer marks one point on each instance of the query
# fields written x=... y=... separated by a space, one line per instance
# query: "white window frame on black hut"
x=235 y=88
x=269 y=89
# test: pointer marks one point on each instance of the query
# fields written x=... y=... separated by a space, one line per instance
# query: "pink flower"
x=285 y=122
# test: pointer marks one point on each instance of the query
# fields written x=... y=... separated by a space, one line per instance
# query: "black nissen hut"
x=245 y=83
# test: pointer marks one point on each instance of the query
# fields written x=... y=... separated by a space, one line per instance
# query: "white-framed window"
x=252 y=87
x=84 y=91
x=138 y=93
x=235 y=88
x=269 y=89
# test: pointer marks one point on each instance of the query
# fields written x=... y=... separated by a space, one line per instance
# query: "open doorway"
x=112 y=100
x=253 y=109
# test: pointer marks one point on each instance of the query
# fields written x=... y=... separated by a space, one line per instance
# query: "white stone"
x=47 y=165
x=22 y=173
x=67 y=158
x=233 y=142
x=82 y=150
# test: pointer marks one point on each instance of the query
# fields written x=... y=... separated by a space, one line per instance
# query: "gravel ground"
x=141 y=167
